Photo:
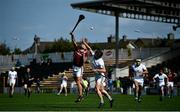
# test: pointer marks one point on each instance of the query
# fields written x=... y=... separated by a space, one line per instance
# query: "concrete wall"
x=149 y=62
x=6 y=62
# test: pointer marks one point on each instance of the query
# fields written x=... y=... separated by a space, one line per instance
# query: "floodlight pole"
x=117 y=41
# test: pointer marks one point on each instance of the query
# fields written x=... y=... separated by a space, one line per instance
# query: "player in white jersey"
x=162 y=80
x=139 y=71
x=63 y=84
x=12 y=76
x=99 y=70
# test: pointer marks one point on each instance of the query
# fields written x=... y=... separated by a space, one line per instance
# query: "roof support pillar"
x=117 y=41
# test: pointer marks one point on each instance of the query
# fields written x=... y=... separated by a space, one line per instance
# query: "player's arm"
x=154 y=78
x=166 y=80
x=16 y=78
x=100 y=70
x=88 y=47
x=31 y=78
x=145 y=71
x=132 y=69
x=73 y=39
x=8 y=76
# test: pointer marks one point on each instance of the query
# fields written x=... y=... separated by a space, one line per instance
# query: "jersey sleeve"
x=144 y=67
x=165 y=75
x=155 y=76
x=101 y=63
x=133 y=68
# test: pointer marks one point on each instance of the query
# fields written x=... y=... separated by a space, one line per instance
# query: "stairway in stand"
x=52 y=83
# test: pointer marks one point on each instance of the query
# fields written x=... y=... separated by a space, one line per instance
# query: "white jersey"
x=99 y=63
x=64 y=81
x=12 y=75
x=161 y=78
x=138 y=70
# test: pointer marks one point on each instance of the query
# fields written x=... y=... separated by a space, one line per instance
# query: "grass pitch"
x=52 y=102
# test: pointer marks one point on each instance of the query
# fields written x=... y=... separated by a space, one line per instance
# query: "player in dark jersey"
x=79 y=57
x=171 y=76
x=28 y=80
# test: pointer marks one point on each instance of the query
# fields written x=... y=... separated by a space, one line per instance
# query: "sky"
x=20 y=20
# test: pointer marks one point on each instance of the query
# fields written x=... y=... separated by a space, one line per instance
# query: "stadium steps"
x=52 y=83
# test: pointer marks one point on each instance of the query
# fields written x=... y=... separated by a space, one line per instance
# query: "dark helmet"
x=98 y=54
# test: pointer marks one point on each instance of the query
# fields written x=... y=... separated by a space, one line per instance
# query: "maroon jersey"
x=79 y=57
x=171 y=77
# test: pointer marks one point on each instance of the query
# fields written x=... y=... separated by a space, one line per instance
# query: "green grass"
x=52 y=102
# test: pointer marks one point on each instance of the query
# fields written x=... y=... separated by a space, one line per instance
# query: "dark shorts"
x=29 y=83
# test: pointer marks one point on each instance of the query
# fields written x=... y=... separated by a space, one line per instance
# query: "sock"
x=101 y=98
x=29 y=94
x=107 y=95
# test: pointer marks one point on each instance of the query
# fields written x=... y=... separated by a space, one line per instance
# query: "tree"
x=4 y=50
x=17 y=51
x=60 y=45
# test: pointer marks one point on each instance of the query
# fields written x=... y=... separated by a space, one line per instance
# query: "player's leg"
x=77 y=73
x=25 y=89
x=139 y=93
x=28 y=92
x=87 y=91
x=12 y=88
x=136 y=89
x=171 y=92
x=171 y=87
x=161 y=92
x=60 y=90
x=103 y=84
x=65 y=89
x=29 y=88
x=108 y=96
x=98 y=91
x=140 y=84
x=78 y=80
x=79 y=86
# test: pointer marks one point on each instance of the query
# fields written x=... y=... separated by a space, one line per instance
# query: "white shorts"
x=100 y=80
x=64 y=85
x=161 y=84
x=12 y=82
x=140 y=81
x=170 y=84
x=25 y=86
x=77 y=71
